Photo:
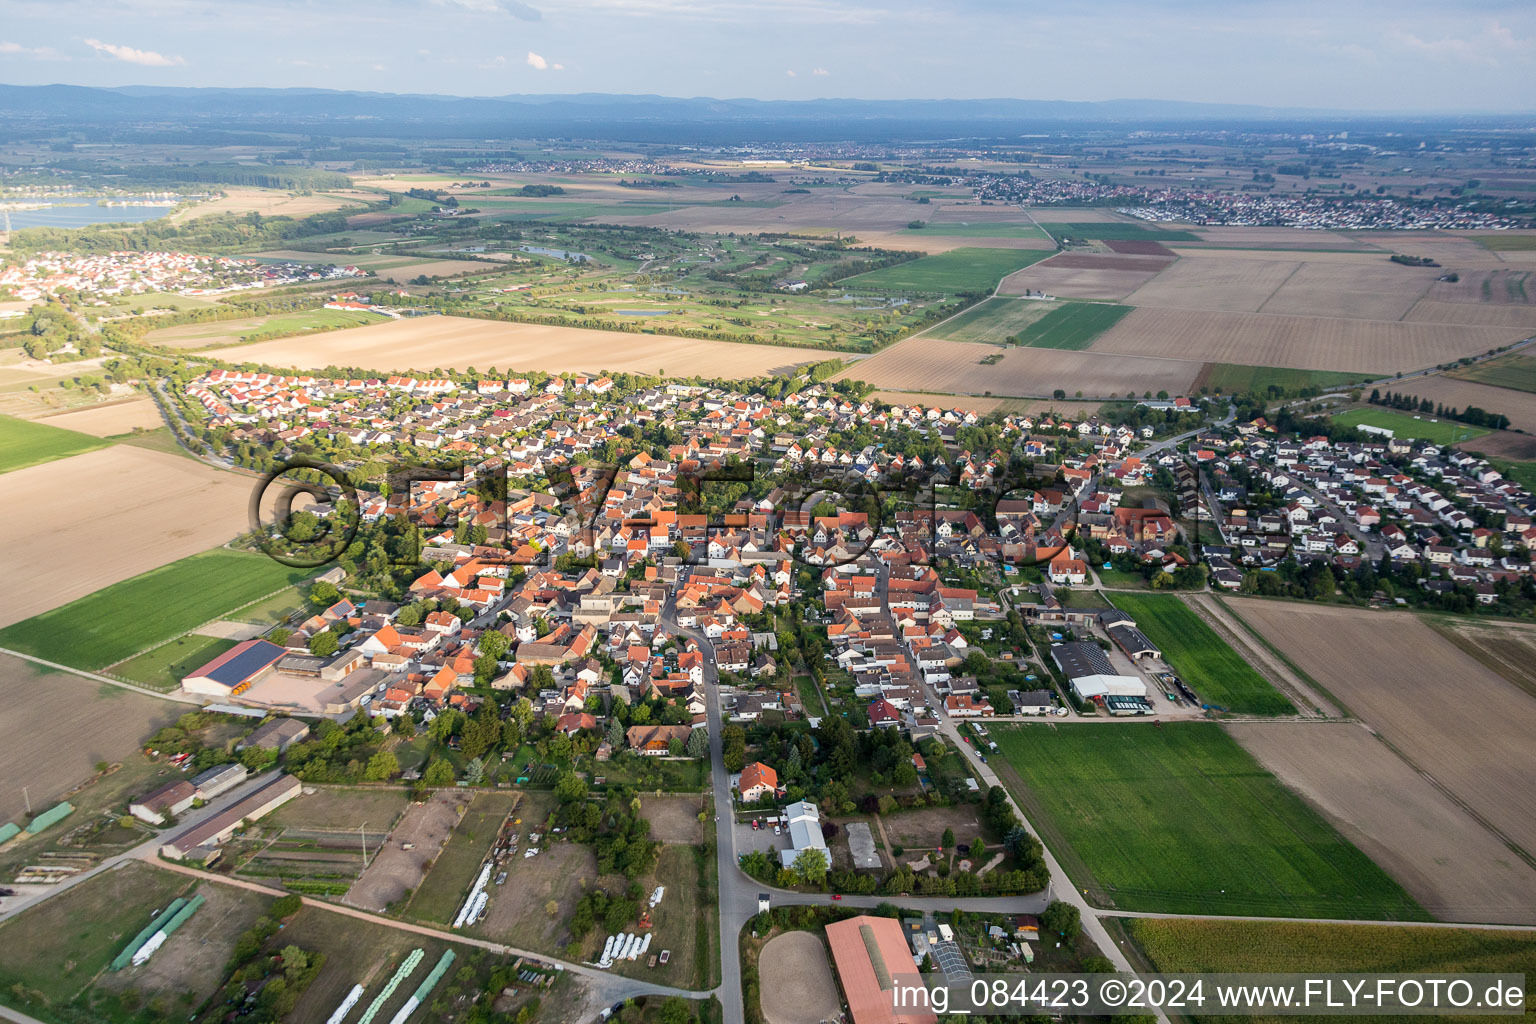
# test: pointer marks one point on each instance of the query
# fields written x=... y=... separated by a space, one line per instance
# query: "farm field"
x=1181 y=819
x=1260 y=339
x=1514 y=372
x=126 y=617
x=1381 y=290
x=1279 y=238
x=976 y=229
x=1507 y=242
x=1072 y=326
x=26 y=443
x=1205 y=661
x=396 y=269
x=1505 y=647
x=1390 y=669
x=959 y=270
x=1503 y=445
x=50 y=753
x=1072 y=410
x=109 y=418
x=69 y=542
x=1451 y=865
x=924 y=364
x=433 y=341
x=1084 y=276
x=275 y=203
x=1472 y=314
x=1457 y=393
x=1216 y=283
x=1487 y=286
x=1130 y=231
x=991 y=322
x=1404 y=424
x=1231 y=379
x=232 y=332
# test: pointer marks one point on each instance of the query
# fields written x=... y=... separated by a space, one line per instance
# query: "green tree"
x=439 y=773
x=698 y=743
x=381 y=766
x=323 y=645
x=810 y=866
x=1062 y=918
x=324 y=594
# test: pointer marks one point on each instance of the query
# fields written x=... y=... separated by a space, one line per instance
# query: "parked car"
x=836 y=896
x=778 y=830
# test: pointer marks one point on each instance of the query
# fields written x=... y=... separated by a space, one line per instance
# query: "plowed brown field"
x=1382 y=290
x=1215 y=282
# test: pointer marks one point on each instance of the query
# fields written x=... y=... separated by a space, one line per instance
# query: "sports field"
x=1204 y=660
x=1235 y=378
x=1402 y=424
x=1117 y=231
x=24 y=443
x=959 y=270
x=112 y=624
x=1073 y=325
x=1180 y=819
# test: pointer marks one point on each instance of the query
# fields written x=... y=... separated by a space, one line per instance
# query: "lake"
x=78 y=212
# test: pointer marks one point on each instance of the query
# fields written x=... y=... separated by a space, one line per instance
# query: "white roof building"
x=1089 y=687
x=803 y=823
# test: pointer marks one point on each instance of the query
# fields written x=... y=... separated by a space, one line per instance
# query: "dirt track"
x=797 y=985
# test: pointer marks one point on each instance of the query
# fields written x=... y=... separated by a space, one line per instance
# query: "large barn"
x=871 y=955
x=233 y=672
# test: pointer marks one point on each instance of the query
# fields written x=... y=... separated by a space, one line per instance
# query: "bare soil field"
x=67 y=538
x=1095 y=261
x=1185 y=249
x=1508 y=648
x=1444 y=712
x=1368 y=291
x=926 y=364
x=1278 y=238
x=933 y=240
x=56 y=727
x=1519 y=406
x=1450 y=250
x=109 y=418
x=1494 y=287
x=1450 y=864
x=1309 y=343
x=1135 y=248
x=275 y=203
x=1076 y=282
x=796 y=980
x=922 y=830
x=1502 y=444
x=1473 y=314
x=516 y=913
x=674 y=819
x=424 y=343
x=395 y=870
x=1215 y=282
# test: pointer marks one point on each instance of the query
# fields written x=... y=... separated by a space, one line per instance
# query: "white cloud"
x=39 y=52
x=512 y=7
x=791 y=73
x=821 y=72
x=538 y=63
x=146 y=58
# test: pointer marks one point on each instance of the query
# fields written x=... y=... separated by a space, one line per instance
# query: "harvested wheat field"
x=94 y=519
x=424 y=343
x=1519 y=406
x=1278 y=238
x=1508 y=648
x=1084 y=276
x=951 y=366
x=1382 y=290
x=1308 y=343
x=1473 y=314
x=1014 y=406
x=1454 y=868
x=933 y=240
x=50 y=751
x=1494 y=287
x=1450 y=250
x=1449 y=716
x=1502 y=444
x=797 y=985
x=1215 y=282
x=1183 y=249
x=109 y=418
x=275 y=203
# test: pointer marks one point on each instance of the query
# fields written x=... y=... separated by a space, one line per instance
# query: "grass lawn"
x=1236 y=378
x=24 y=443
x=992 y=322
x=1202 y=658
x=959 y=270
x=1116 y=578
x=103 y=628
x=1072 y=325
x=277 y=608
x=1403 y=424
x=1181 y=819
x=1117 y=232
x=164 y=667
x=1514 y=371
x=1507 y=243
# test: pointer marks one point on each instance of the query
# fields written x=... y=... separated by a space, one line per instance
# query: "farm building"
x=233 y=672
x=219 y=779
x=871 y=955
x=1133 y=642
x=201 y=842
x=169 y=800
x=1090 y=674
x=802 y=821
x=278 y=734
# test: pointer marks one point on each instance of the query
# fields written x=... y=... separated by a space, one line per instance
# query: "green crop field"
x=992 y=322
x=1072 y=325
x=959 y=270
x=24 y=443
x=1203 y=659
x=103 y=628
x=1405 y=425
x=984 y=229
x=1242 y=947
x=1507 y=243
x=1181 y=819
x=1236 y=379
x=265 y=326
x=1514 y=371
x=1112 y=231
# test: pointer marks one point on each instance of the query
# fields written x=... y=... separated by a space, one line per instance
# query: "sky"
x=1341 y=54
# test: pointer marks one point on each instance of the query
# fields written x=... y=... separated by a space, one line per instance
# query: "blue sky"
x=1347 y=54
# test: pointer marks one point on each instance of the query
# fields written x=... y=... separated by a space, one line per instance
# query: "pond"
x=83 y=211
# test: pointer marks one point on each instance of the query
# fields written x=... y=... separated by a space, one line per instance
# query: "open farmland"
x=1454 y=868
x=1472 y=314
x=959 y=270
x=1072 y=326
x=427 y=342
x=1126 y=230
x=1493 y=287
x=396 y=269
x=1402 y=424
x=109 y=418
x=1280 y=238
x=1518 y=405
x=1181 y=819
x=1442 y=710
x=1382 y=290
x=1072 y=410
x=1505 y=647
x=230 y=332
x=924 y=364
x=1262 y=339
x=989 y=229
x=127 y=617
x=1231 y=379
x=69 y=538
x=991 y=322
x=1513 y=241
x=26 y=443
x=1201 y=657
x=1516 y=371
x=275 y=203
x=1215 y=282
x=1084 y=276
x=49 y=752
